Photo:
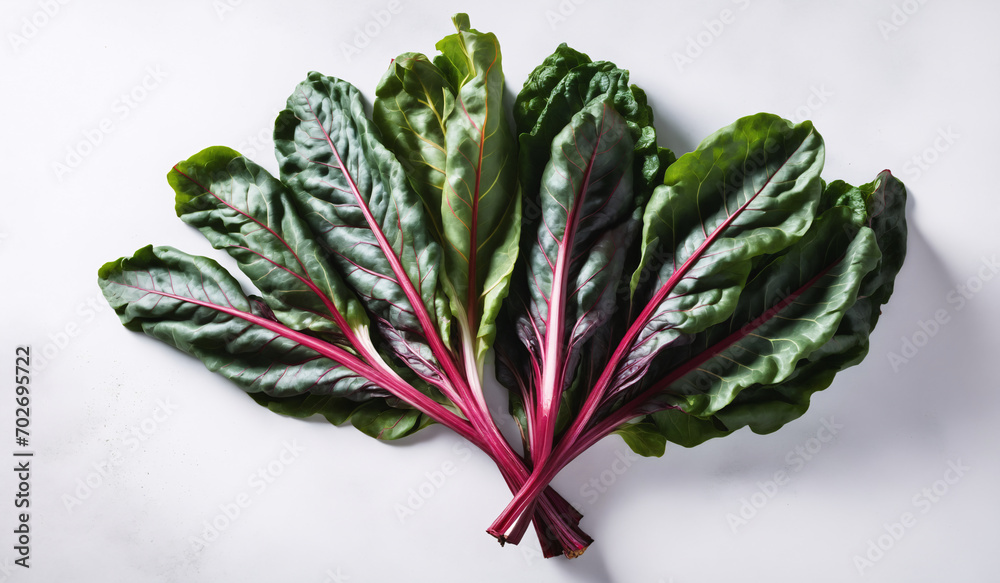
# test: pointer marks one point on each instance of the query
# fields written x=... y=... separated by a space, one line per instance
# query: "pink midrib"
x=627 y=411
x=478 y=410
x=595 y=397
x=570 y=449
x=604 y=381
x=493 y=444
x=416 y=302
x=554 y=369
x=472 y=297
x=417 y=399
x=453 y=384
x=337 y=316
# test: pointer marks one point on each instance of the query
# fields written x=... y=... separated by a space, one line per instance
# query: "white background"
x=881 y=84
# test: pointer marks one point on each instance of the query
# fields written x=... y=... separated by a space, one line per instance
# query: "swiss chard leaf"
x=750 y=189
x=445 y=120
x=355 y=196
x=554 y=96
x=879 y=206
x=791 y=308
x=575 y=263
x=481 y=208
x=193 y=304
x=242 y=209
x=413 y=102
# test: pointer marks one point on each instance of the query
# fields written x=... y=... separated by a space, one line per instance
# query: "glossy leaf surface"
x=445 y=120
x=577 y=259
x=765 y=407
x=247 y=212
x=750 y=189
x=356 y=198
x=413 y=103
x=480 y=212
x=193 y=304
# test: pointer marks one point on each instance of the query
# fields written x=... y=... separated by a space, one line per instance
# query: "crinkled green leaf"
x=564 y=84
x=480 y=210
x=193 y=304
x=356 y=198
x=242 y=209
x=790 y=309
x=446 y=122
x=879 y=205
x=541 y=82
x=413 y=102
x=749 y=190
x=576 y=260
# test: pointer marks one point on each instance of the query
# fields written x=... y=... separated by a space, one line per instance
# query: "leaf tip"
x=461 y=21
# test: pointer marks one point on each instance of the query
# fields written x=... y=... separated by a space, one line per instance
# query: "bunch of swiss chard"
x=621 y=289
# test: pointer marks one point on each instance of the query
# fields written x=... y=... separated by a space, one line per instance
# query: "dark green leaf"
x=354 y=195
x=577 y=258
x=880 y=205
x=564 y=84
x=193 y=304
x=242 y=209
x=749 y=190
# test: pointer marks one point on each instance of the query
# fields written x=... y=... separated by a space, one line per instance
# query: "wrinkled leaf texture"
x=751 y=285
x=193 y=304
x=549 y=117
x=445 y=120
